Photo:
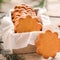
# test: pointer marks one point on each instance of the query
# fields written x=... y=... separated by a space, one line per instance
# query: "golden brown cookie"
x=27 y=24
x=47 y=44
x=25 y=19
x=21 y=10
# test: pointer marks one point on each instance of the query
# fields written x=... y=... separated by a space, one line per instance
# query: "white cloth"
x=18 y=40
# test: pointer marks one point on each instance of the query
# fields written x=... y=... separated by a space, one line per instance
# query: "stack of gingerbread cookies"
x=25 y=19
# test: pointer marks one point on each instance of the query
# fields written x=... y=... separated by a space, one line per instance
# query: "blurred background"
x=6 y=5
x=53 y=6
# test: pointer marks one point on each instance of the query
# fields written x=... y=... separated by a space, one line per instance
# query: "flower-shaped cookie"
x=47 y=44
x=27 y=24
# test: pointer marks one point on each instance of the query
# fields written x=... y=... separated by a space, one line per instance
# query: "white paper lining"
x=20 y=40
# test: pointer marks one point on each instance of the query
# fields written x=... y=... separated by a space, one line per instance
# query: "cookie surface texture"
x=47 y=44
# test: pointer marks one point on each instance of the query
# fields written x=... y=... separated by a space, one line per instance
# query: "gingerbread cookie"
x=27 y=24
x=47 y=44
x=22 y=10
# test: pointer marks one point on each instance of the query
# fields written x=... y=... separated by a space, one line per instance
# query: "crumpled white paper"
x=20 y=40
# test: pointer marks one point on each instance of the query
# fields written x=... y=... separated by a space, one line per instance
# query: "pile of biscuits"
x=25 y=19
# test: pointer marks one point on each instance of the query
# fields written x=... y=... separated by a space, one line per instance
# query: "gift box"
x=22 y=42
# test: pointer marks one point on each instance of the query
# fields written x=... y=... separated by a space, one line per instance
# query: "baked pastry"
x=25 y=8
x=22 y=10
x=47 y=44
x=25 y=19
x=27 y=24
